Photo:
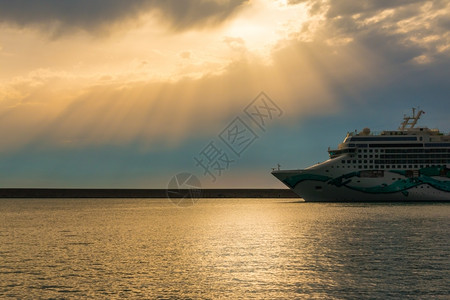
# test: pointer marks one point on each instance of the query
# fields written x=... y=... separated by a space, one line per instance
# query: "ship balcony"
x=340 y=152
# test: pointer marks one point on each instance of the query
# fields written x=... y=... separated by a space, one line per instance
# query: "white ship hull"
x=393 y=188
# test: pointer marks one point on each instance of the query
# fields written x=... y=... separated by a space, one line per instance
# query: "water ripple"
x=253 y=249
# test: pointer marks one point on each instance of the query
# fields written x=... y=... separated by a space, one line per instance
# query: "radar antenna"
x=410 y=122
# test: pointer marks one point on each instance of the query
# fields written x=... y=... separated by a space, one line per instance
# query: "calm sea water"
x=235 y=248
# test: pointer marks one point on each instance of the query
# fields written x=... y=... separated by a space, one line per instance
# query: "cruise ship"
x=408 y=164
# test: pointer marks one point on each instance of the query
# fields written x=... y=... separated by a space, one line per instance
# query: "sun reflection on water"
x=220 y=248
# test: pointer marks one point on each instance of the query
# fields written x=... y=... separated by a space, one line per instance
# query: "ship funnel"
x=366 y=131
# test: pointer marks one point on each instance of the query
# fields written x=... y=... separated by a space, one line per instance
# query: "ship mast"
x=410 y=122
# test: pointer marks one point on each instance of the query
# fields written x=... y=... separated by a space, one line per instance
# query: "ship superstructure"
x=408 y=164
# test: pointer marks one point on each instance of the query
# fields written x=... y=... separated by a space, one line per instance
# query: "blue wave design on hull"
x=399 y=186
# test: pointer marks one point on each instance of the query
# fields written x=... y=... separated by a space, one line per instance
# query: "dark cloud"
x=379 y=53
x=394 y=47
x=185 y=14
x=350 y=7
x=443 y=22
x=398 y=31
x=94 y=15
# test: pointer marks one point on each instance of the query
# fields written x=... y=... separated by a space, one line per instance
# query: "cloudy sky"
x=112 y=93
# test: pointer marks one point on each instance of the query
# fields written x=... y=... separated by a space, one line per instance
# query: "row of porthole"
x=385 y=166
